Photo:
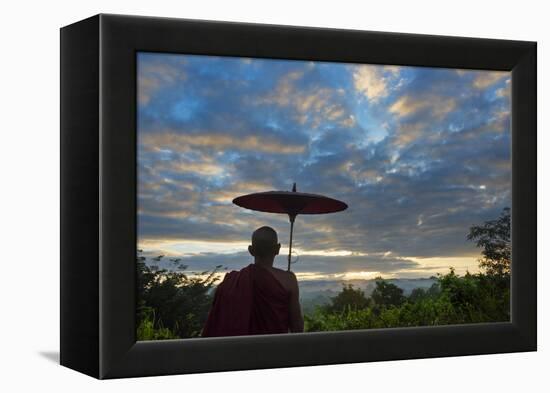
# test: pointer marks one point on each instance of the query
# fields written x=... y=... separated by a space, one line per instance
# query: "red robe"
x=249 y=301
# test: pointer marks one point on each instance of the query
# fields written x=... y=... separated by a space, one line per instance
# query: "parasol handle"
x=291 y=218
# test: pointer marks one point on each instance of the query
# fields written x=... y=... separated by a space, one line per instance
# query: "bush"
x=146 y=329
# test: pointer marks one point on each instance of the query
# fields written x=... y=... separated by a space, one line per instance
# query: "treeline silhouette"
x=173 y=305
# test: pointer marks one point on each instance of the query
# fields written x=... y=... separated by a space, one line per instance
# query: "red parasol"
x=291 y=203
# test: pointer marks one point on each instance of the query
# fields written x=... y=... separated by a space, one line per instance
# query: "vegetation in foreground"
x=173 y=305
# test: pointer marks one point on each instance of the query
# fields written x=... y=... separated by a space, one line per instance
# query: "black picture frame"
x=98 y=196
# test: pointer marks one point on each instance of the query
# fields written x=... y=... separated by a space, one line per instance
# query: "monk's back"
x=254 y=300
x=285 y=278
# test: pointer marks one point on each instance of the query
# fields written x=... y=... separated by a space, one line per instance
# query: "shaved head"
x=264 y=242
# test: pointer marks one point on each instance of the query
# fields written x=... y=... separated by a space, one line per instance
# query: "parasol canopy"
x=291 y=203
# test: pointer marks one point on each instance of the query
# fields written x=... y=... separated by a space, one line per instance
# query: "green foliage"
x=170 y=303
x=418 y=294
x=452 y=300
x=478 y=297
x=349 y=298
x=387 y=294
x=146 y=329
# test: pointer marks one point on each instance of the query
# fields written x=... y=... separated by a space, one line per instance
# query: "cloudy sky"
x=419 y=155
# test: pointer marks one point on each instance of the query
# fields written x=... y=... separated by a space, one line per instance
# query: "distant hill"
x=319 y=292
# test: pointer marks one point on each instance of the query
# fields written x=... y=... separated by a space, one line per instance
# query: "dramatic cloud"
x=155 y=75
x=419 y=155
x=183 y=143
x=374 y=81
x=438 y=107
x=486 y=79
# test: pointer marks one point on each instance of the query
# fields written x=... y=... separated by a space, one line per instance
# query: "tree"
x=387 y=294
x=417 y=294
x=170 y=303
x=494 y=237
x=349 y=298
x=434 y=290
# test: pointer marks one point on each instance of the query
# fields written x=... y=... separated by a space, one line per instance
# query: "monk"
x=258 y=299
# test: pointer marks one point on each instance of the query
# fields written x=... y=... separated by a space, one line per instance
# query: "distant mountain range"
x=319 y=292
